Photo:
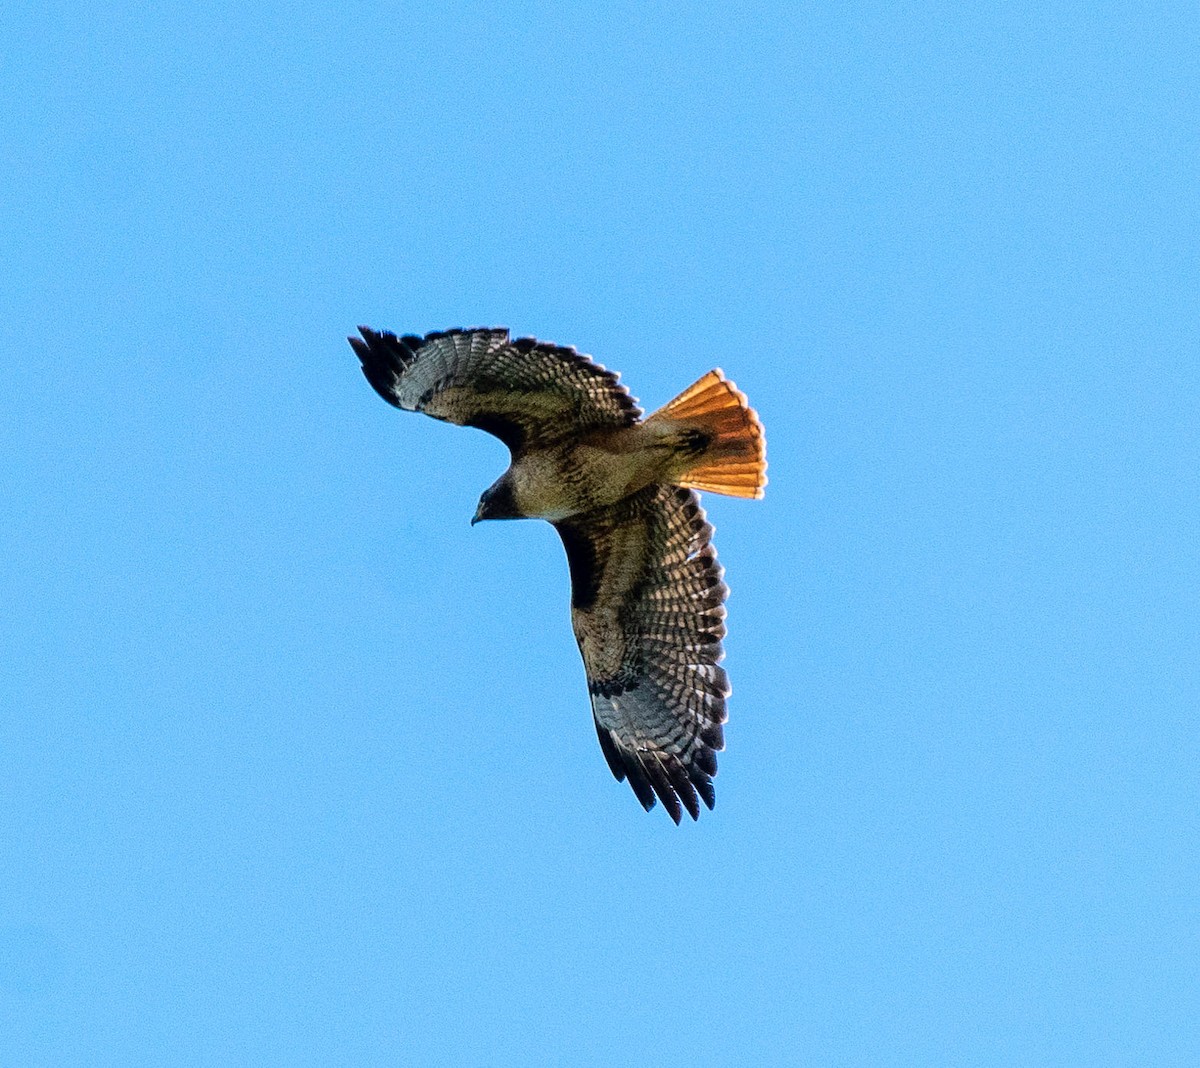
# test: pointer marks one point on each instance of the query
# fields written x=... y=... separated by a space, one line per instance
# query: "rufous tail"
x=722 y=445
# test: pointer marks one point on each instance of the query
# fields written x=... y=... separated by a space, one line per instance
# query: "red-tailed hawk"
x=647 y=600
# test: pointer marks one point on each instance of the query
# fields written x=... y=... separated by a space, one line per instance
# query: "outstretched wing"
x=647 y=605
x=524 y=391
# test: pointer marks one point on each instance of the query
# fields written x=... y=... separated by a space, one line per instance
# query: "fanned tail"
x=722 y=445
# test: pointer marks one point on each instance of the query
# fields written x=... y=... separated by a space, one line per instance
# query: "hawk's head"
x=497 y=502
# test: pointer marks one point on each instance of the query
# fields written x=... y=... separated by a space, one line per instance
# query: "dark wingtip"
x=608 y=747
x=662 y=786
x=667 y=779
x=384 y=358
x=635 y=772
x=369 y=338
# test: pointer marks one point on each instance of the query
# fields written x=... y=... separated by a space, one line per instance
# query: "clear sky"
x=297 y=768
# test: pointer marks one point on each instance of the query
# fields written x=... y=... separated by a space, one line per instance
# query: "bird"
x=647 y=592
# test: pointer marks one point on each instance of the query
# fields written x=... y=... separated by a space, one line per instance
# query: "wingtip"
x=362 y=342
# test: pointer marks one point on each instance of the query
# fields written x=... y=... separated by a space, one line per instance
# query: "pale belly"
x=590 y=474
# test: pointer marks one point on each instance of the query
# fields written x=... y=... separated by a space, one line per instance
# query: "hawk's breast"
x=594 y=472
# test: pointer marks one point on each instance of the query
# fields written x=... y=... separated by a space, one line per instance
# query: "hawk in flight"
x=647 y=600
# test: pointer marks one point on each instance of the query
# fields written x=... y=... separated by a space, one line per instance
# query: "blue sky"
x=297 y=768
